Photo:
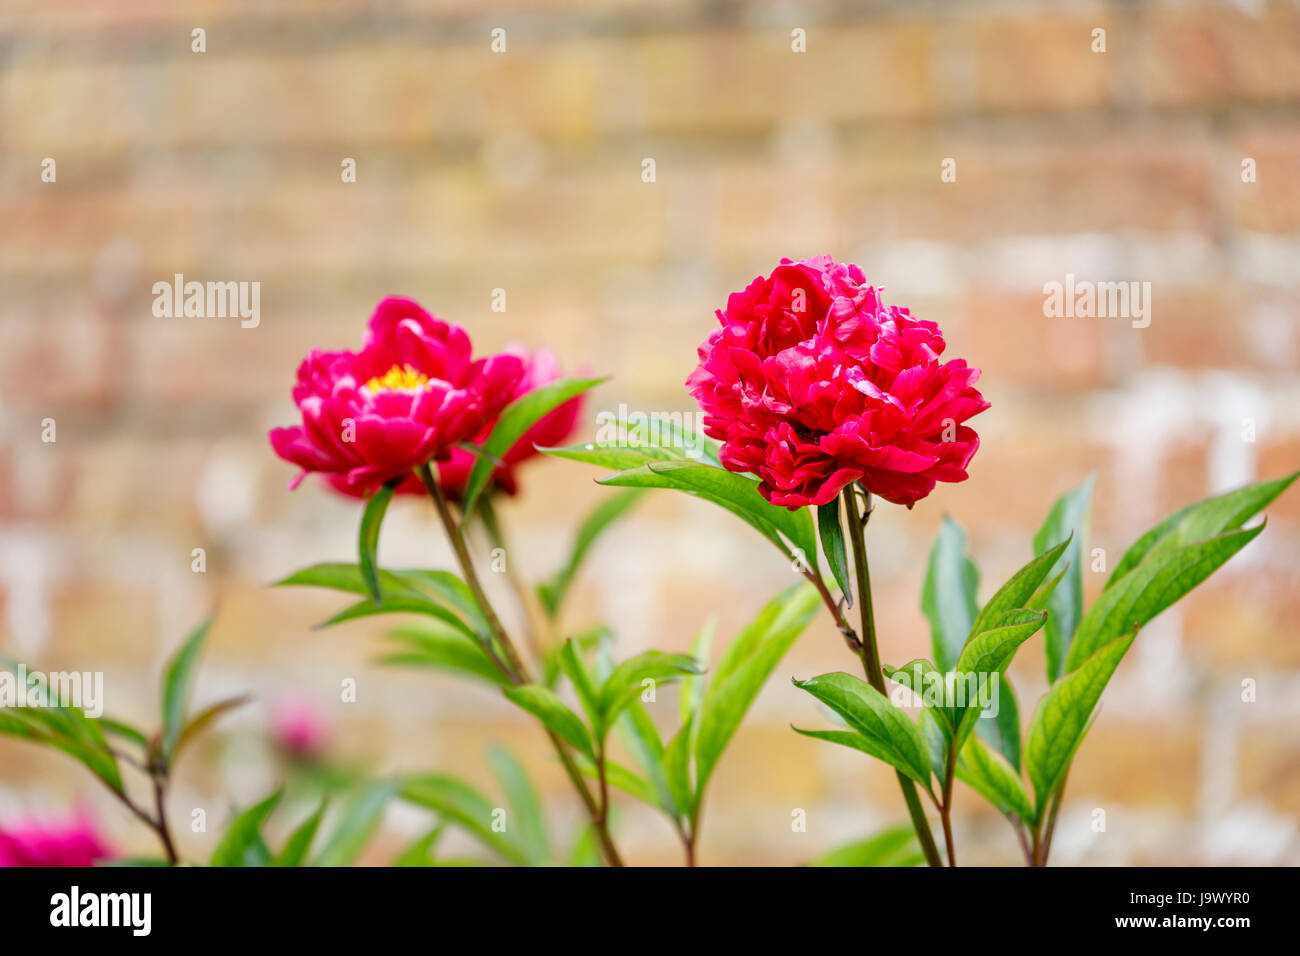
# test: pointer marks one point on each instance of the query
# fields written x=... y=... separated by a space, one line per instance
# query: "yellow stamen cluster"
x=399 y=376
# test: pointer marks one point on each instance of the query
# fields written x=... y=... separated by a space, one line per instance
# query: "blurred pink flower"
x=298 y=727
x=53 y=843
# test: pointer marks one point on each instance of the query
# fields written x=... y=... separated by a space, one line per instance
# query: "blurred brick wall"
x=522 y=171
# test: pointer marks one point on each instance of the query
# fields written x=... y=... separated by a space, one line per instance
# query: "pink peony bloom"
x=71 y=843
x=298 y=727
x=405 y=399
x=812 y=383
x=553 y=428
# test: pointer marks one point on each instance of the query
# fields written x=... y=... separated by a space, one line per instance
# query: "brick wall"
x=522 y=171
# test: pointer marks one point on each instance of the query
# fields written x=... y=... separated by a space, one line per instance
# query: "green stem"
x=487 y=512
x=945 y=811
x=513 y=666
x=870 y=655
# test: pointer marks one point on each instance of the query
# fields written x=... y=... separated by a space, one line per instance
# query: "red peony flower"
x=553 y=428
x=405 y=399
x=74 y=843
x=813 y=383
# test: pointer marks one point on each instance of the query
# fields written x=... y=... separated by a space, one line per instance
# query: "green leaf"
x=1019 y=590
x=622 y=778
x=360 y=819
x=241 y=844
x=368 y=540
x=178 y=681
x=605 y=514
x=442 y=649
x=206 y=718
x=693 y=685
x=125 y=731
x=553 y=713
x=399 y=604
x=527 y=818
x=614 y=455
x=992 y=777
x=832 y=538
x=519 y=416
x=627 y=681
x=948 y=596
x=573 y=667
x=1002 y=731
x=1204 y=519
x=1062 y=718
x=1151 y=587
x=420 y=852
x=641 y=737
x=677 y=768
x=457 y=801
x=885 y=731
x=295 y=848
x=919 y=676
x=894 y=847
x=418 y=588
x=1068 y=520
x=67 y=729
x=737 y=493
x=988 y=653
x=744 y=668
x=936 y=739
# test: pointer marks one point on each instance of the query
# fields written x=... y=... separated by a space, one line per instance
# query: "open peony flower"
x=43 y=843
x=406 y=398
x=553 y=428
x=812 y=383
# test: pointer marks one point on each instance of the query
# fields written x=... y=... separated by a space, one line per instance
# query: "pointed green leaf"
x=420 y=852
x=519 y=416
x=1062 y=718
x=627 y=680
x=894 y=847
x=1018 y=591
x=1204 y=519
x=1068 y=519
x=443 y=649
x=241 y=844
x=295 y=848
x=178 y=681
x=989 y=653
x=890 y=734
x=606 y=513
x=1151 y=587
x=575 y=669
x=527 y=819
x=948 y=597
x=1001 y=732
x=992 y=777
x=832 y=538
x=455 y=800
x=360 y=819
x=741 y=674
x=553 y=713
x=368 y=538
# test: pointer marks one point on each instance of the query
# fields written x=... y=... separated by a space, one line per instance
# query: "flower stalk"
x=512 y=665
x=869 y=653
